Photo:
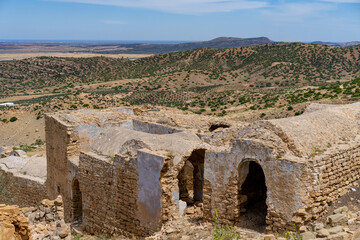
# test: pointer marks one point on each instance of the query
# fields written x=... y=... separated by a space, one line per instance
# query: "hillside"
x=126 y=48
x=276 y=64
x=217 y=43
x=340 y=44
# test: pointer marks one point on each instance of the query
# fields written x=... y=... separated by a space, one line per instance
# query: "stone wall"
x=115 y=200
x=225 y=172
x=62 y=159
x=332 y=176
x=21 y=191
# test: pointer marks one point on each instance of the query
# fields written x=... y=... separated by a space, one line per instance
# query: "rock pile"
x=47 y=220
x=190 y=229
x=13 y=225
x=340 y=225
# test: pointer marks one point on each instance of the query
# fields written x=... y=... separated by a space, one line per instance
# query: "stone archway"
x=77 y=209
x=252 y=196
x=191 y=180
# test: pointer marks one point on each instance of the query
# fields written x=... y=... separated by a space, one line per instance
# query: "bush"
x=223 y=232
x=39 y=142
x=293 y=236
x=13 y=119
x=25 y=148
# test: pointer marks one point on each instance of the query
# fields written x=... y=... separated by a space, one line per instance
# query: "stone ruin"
x=22 y=178
x=129 y=171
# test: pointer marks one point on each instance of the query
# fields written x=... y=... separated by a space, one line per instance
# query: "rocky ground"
x=45 y=222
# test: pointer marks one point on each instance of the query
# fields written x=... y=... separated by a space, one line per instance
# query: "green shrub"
x=25 y=148
x=293 y=236
x=223 y=232
x=13 y=119
x=39 y=142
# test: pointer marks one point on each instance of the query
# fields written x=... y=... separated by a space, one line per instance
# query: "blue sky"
x=182 y=20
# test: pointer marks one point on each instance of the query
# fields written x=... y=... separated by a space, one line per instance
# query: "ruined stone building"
x=127 y=171
x=22 y=179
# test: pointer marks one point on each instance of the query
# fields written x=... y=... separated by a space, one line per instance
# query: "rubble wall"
x=285 y=182
x=20 y=191
x=115 y=199
x=332 y=176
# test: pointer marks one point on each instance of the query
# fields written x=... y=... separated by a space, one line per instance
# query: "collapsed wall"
x=22 y=180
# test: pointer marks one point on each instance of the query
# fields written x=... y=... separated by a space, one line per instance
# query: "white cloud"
x=116 y=22
x=180 y=6
x=297 y=11
x=342 y=1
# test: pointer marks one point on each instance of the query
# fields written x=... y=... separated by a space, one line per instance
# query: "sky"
x=180 y=20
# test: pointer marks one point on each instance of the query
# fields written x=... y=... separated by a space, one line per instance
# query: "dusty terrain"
x=19 y=56
x=24 y=131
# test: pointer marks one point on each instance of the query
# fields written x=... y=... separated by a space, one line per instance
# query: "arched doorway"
x=191 y=179
x=252 y=196
x=76 y=202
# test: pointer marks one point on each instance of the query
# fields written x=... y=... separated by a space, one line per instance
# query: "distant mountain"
x=335 y=44
x=217 y=43
x=126 y=48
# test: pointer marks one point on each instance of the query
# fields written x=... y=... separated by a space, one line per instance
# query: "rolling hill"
x=292 y=64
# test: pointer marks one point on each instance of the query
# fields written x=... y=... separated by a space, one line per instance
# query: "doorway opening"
x=191 y=182
x=252 y=196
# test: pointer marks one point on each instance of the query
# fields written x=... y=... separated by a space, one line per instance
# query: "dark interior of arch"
x=254 y=188
x=77 y=202
x=191 y=178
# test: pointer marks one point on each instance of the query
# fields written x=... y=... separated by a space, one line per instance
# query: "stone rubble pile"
x=342 y=224
x=187 y=229
x=47 y=220
x=13 y=225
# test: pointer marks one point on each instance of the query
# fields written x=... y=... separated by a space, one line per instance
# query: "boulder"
x=337 y=219
x=323 y=233
x=339 y=236
x=343 y=209
x=356 y=235
x=335 y=230
x=269 y=237
x=308 y=236
x=303 y=229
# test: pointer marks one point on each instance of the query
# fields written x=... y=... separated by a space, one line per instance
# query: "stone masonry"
x=22 y=180
x=128 y=171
